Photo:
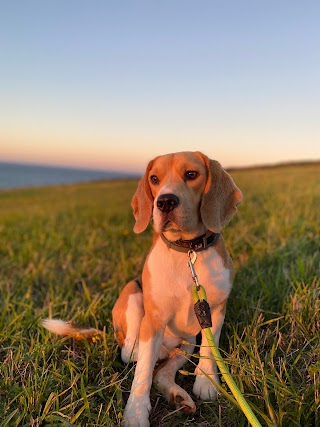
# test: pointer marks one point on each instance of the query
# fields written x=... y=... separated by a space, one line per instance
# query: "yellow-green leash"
x=202 y=311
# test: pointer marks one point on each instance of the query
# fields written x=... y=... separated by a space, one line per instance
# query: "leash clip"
x=192 y=259
x=192 y=256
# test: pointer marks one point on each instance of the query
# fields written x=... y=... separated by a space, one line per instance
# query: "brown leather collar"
x=197 y=244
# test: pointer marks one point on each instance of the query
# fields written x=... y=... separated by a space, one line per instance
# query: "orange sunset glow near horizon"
x=109 y=87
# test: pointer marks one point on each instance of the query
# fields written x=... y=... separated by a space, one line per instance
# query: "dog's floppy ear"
x=220 y=197
x=142 y=202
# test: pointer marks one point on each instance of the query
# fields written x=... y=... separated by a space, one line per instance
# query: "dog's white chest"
x=171 y=281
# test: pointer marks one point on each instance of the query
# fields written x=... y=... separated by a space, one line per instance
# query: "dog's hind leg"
x=164 y=379
x=127 y=314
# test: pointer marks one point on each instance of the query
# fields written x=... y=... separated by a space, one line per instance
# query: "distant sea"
x=14 y=175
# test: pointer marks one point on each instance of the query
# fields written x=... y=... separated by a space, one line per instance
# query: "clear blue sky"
x=112 y=84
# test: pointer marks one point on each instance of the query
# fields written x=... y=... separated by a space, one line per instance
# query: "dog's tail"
x=68 y=329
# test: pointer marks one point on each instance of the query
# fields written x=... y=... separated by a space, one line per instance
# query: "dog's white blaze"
x=134 y=315
x=165 y=190
x=157 y=214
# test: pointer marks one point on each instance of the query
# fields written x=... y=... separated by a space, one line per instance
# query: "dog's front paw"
x=204 y=389
x=136 y=413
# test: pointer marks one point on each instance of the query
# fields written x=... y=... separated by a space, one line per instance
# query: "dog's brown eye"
x=191 y=175
x=154 y=179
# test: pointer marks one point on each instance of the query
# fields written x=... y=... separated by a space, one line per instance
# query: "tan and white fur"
x=158 y=321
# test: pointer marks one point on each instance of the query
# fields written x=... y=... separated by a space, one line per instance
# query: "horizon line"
x=133 y=173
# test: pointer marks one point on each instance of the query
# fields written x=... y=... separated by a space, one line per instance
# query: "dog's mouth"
x=167 y=225
x=173 y=223
x=170 y=226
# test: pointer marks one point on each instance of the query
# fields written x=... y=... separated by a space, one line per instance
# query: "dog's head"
x=186 y=194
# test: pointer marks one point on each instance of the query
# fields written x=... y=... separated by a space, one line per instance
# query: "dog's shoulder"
x=221 y=249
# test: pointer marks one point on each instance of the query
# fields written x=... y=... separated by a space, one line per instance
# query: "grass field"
x=65 y=252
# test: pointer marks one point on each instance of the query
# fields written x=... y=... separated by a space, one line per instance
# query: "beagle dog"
x=189 y=198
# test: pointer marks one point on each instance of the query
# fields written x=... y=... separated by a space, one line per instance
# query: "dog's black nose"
x=167 y=202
